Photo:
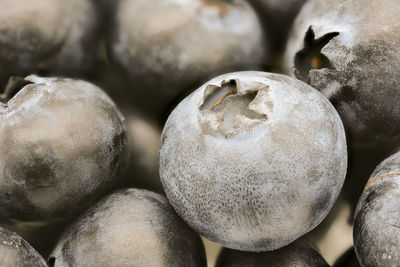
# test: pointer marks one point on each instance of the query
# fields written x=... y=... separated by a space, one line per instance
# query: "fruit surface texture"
x=15 y=251
x=46 y=36
x=62 y=144
x=193 y=41
x=131 y=227
x=377 y=218
x=350 y=51
x=253 y=160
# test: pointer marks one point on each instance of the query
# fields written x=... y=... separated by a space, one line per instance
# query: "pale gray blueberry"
x=377 y=219
x=16 y=252
x=62 y=145
x=165 y=47
x=350 y=51
x=131 y=227
x=253 y=160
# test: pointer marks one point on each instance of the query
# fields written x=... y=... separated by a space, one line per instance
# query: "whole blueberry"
x=377 y=219
x=350 y=51
x=131 y=227
x=15 y=251
x=62 y=145
x=182 y=43
x=46 y=36
x=295 y=254
x=253 y=160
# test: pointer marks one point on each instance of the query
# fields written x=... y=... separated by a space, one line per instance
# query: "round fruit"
x=130 y=228
x=377 y=219
x=350 y=51
x=62 y=144
x=193 y=40
x=296 y=254
x=253 y=160
x=15 y=251
x=46 y=36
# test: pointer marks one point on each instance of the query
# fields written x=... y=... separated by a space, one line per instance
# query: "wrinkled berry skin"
x=259 y=169
x=46 y=36
x=131 y=227
x=295 y=254
x=62 y=144
x=187 y=43
x=350 y=51
x=377 y=217
x=15 y=251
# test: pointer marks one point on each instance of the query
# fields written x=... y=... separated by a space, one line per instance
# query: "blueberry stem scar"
x=231 y=92
x=380 y=178
x=310 y=57
x=315 y=62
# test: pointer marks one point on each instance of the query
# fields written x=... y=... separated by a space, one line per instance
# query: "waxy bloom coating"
x=350 y=51
x=15 y=251
x=62 y=145
x=46 y=36
x=166 y=46
x=253 y=160
x=131 y=227
x=377 y=218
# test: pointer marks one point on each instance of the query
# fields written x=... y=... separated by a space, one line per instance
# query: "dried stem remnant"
x=218 y=94
x=310 y=57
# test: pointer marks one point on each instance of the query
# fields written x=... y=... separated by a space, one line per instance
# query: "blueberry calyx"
x=310 y=57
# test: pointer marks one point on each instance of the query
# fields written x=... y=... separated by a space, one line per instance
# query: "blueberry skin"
x=295 y=254
x=181 y=45
x=15 y=251
x=350 y=51
x=63 y=144
x=131 y=227
x=47 y=37
x=273 y=149
x=376 y=222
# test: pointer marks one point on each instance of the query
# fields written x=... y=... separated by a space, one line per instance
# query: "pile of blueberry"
x=298 y=102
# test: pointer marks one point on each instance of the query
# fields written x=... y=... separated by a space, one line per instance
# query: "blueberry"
x=182 y=43
x=377 y=218
x=253 y=160
x=62 y=144
x=350 y=51
x=15 y=251
x=131 y=227
x=46 y=36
